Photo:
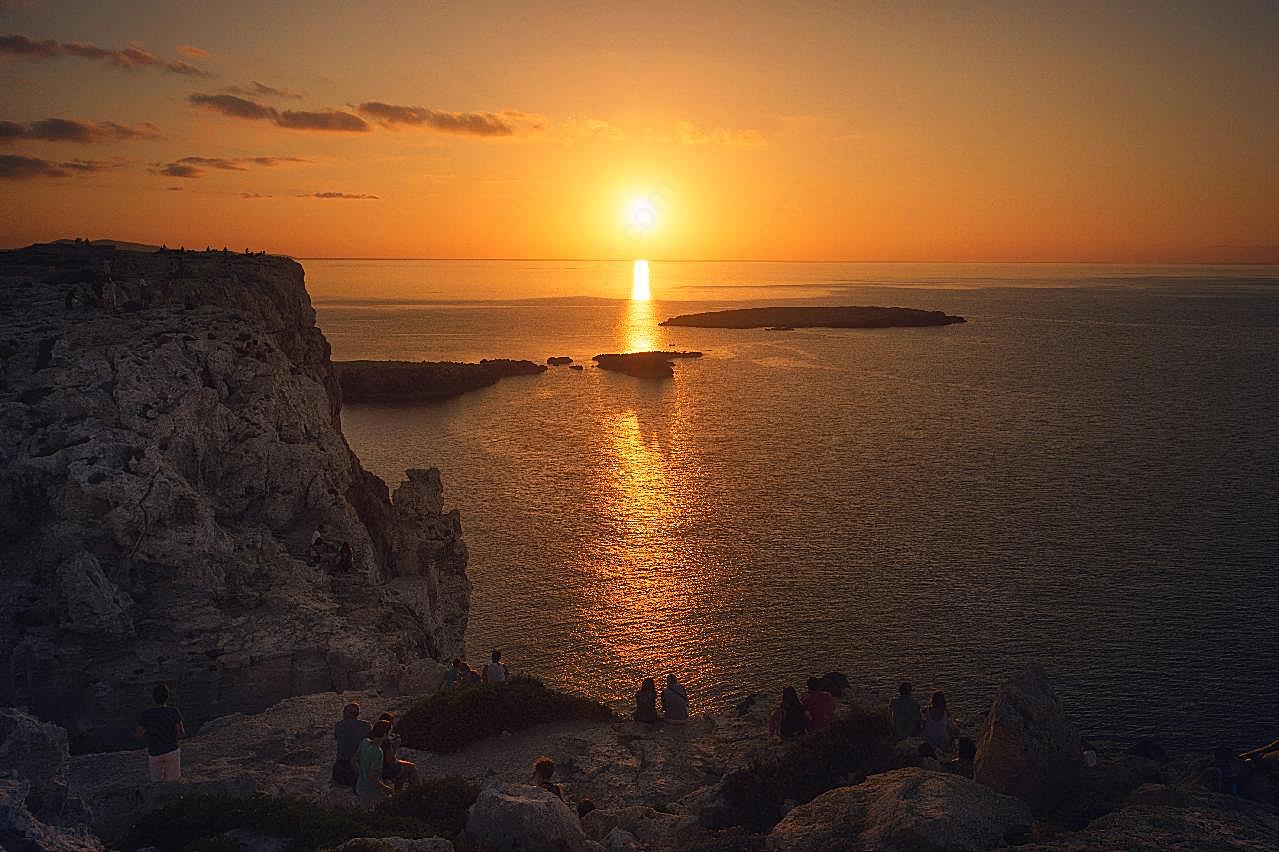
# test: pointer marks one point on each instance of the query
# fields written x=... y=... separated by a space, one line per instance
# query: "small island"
x=423 y=381
x=789 y=318
x=644 y=365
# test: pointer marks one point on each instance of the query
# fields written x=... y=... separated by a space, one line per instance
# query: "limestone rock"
x=905 y=809
x=396 y=844
x=1158 y=818
x=1028 y=748
x=20 y=829
x=652 y=829
x=520 y=818
x=162 y=470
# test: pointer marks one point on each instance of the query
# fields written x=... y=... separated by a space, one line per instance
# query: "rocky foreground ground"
x=664 y=787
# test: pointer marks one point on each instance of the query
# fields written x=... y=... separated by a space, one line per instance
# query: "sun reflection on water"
x=637 y=331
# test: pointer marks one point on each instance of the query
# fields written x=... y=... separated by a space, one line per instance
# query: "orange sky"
x=786 y=130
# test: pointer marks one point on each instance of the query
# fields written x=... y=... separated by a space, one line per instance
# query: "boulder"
x=1157 y=818
x=649 y=827
x=521 y=818
x=396 y=844
x=905 y=809
x=20 y=829
x=559 y=360
x=1028 y=748
x=35 y=752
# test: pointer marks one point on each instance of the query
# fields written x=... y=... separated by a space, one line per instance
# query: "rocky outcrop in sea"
x=169 y=444
x=424 y=381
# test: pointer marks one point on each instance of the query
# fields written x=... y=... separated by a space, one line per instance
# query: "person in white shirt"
x=496 y=671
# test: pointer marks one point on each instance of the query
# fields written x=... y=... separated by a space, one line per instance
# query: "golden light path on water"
x=648 y=584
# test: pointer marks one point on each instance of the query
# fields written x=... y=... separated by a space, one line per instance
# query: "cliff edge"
x=169 y=442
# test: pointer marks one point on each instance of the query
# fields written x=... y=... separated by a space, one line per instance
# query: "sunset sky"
x=1088 y=131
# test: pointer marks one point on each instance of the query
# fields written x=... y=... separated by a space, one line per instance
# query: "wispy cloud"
x=595 y=129
x=504 y=123
x=130 y=58
x=238 y=107
x=688 y=133
x=262 y=90
x=343 y=195
x=17 y=167
x=192 y=51
x=73 y=130
x=194 y=167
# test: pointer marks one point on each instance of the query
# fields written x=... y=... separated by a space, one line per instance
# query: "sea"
x=1084 y=474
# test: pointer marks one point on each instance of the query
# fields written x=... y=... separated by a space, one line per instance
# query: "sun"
x=641 y=214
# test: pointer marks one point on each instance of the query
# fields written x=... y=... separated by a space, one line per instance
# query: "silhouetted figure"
x=789 y=719
x=819 y=703
x=543 y=771
x=496 y=671
x=370 y=785
x=349 y=732
x=318 y=544
x=674 y=701
x=904 y=713
x=399 y=772
x=162 y=726
x=966 y=753
x=939 y=730
x=646 y=702
x=453 y=676
x=346 y=559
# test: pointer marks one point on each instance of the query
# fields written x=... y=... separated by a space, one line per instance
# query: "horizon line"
x=1271 y=262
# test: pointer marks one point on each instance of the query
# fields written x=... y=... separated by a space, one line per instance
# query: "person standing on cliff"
x=162 y=726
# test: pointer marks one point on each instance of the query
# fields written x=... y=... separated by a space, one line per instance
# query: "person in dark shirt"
x=349 y=733
x=543 y=771
x=161 y=726
x=398 y=771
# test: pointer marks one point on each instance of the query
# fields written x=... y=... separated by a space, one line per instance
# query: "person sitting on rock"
x=646 y=702
x=543 y=770
x=398 y=771
x=317 y=544
x=674 y=702
x=370 y=785
x=161 y=726
x=962 y=764
x=466 y=676
x=496 y=671
x=453 y=675
x=789 y=719
x=819 y=703
x=346 y=559
x=939 y=730
x=349 y=732
x=904 y=713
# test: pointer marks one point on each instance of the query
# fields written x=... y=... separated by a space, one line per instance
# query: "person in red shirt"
x=819 y=703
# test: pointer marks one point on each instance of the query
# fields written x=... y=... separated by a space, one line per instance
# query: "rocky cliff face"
x=169 y=441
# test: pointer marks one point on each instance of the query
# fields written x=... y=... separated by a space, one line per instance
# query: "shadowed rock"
x=790 y=318
x=644 y=365
x=422 y=381
x=904 y=809
x=171 y=439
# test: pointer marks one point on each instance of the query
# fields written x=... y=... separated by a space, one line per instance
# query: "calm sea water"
x=1083 y=474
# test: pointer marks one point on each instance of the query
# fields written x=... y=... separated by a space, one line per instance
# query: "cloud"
x=262 y=90
x=690 y=134
x=20 y=45
x=16 y=167
x=72 y=130
x=194 y=52
x=504 y=123
x=346 y=195
x=194 y=167
x=129 y=58
x=253 y=195
x=325 y=120
x=238 y=107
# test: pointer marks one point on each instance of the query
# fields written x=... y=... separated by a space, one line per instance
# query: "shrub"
x=851 y=748
x=450 y=721
x=440 y=802
x=195 y=823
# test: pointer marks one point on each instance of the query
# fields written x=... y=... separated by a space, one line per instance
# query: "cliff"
x=422 y=381
x=169 y=441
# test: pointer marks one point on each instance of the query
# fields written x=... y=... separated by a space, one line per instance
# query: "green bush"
x=194 y=823
x=851 y=748
x=440 y=802
x=450 y=721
